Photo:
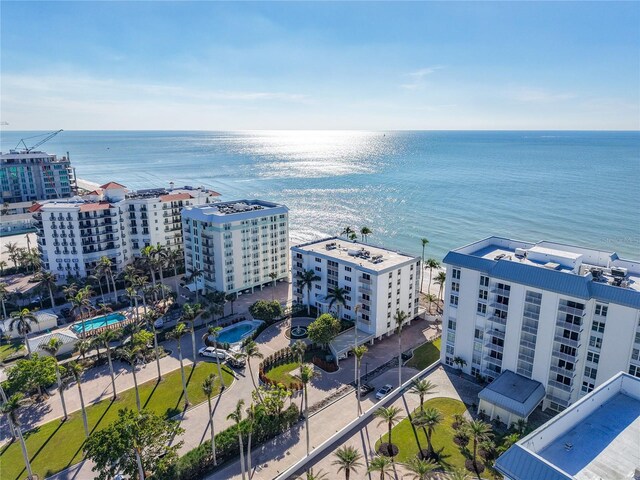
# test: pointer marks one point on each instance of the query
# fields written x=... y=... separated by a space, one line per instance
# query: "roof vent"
x=552 y=266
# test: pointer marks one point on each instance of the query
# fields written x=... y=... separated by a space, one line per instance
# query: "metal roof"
x=564 y=283
x=513 y=393
x=519 y=464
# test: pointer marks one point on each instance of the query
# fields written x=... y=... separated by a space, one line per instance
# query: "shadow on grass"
x=151 y=394
x=33 y=457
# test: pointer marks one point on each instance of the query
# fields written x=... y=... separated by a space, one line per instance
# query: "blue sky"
x=223 y=66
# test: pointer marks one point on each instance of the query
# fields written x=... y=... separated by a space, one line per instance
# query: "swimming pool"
x=235 y=333
x=98 y=322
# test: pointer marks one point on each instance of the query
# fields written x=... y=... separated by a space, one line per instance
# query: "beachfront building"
x=598 y=437
x=378 y=283
x=111 y=221
x=565 y=316
x=237 y=246
x=32 y=176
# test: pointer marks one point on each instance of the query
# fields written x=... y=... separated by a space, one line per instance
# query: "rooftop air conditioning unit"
x=619 y=272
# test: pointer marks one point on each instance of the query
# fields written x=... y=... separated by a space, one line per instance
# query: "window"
x=455 y=274
x=453 y=300
x=452 y=324
x=598 y=327
x=564 y=380
x=347 y=279
x=318 y=269
x=593 y=357
x=601 y=310
x=451 y=337
x=587 y=387
x=347 y=269
x=482 y=308
x=450 y=349
x=590 y=372
x=478 y=333
x=455 y=287
x=484 y=281
x=319 y=260
x=483 y=294
x=634 y=370
x=595 y=342
x=635 y=355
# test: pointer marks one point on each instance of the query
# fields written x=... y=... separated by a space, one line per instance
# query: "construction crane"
x=47 y=137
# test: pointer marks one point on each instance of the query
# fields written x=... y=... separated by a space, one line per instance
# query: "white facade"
x=30 y=176
x=74 y=234
x=378 y=281
x=565 y=316
x=236 y=245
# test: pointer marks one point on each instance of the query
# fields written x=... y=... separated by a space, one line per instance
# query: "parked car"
x=365 y=389
x=383 y=391
x=213 y=352
x=236 y=362
x=159 y=323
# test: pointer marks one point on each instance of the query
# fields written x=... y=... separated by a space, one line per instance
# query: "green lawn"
x=11 y=348
x=407 y=439
x=425 y=355
x=281 y=373
x=57 y=445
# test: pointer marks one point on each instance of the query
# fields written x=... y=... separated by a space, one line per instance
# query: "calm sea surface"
x=451 y=187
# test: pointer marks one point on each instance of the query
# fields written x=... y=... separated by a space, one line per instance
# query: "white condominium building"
x=238 y=245
x=30 y=176
x=73 y=234
x=379 y=282
x=565 y=316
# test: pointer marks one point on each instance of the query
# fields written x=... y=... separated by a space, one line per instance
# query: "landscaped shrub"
x=199 y=462
x=326 y=366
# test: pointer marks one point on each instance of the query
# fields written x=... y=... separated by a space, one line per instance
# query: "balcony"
x=495 y=333
x=560 y=386
x=497 y=319
x=500 y=291
x=493 y=361
x=366 y=301
x=563 y=371
x=563 y=402
x=566 y=341
x=366 y=281
x=571 y=310
x=564 y=356
x=495 y=347
x=569 y=326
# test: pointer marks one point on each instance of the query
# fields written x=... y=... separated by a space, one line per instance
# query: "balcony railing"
x=567 y=341
x=560 y=386
x=366 y=281
x=571 y=310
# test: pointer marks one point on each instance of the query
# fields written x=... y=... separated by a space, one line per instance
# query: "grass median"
x=425 y=355
x=57 y=445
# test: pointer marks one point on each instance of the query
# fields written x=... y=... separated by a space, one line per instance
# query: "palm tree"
x=147 y=260
x=192 y=277
x=208 y=387
x=432 y=264
x=214 y=332
x=81 y=305
x=14 y=252
x=106 y=265
x=421 y=388
x=306 y=280
x=132 y=294
x=174 y=257
x=21 y=320
x=400 y=318
x=441 y=279
x=428 y=420
x=298 y=349
x=273 y=276
x=479 y=431
x=151 y=318
x=359 y=352
x=249 y=427
x=10 y=409
x=347 y=459
x=347 y=231
x=381 y=464
x=420 y=469
x=390 y=416
x=48 y=281
x=251 y=351
x=236 y=416
x=189 y=314
x=310 y=475
x=306 y=374
x=337 y=296
x=76 y=370
x=132 y=355
x=104 y=339
x=177 y=334
x=425 y=242
x=3 y=265
x=83 y=347
x=52 y=349
x=457 y=475
x=231 y=298
x=160 y=255
x=365 y=232
x=4 y=294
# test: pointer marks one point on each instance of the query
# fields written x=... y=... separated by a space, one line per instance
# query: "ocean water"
x=450 y=187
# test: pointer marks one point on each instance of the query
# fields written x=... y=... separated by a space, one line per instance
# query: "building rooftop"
x=356 y=253
x=576 y=271
x=233 y=210
x=514 y=393
x=598 y=437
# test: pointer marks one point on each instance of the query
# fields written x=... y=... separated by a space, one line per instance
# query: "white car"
x=380 y=394
x=213 y=352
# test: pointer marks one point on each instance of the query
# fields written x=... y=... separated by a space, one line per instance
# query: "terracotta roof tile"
x=175 y=196
x=92 y=207
x=109 y=185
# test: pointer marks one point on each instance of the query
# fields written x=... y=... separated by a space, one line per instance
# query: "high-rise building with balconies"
x=565 y=316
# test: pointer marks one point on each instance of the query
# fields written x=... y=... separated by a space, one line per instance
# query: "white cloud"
x=417 y=78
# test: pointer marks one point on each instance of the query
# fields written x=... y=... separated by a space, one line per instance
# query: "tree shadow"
x=44 y=444
x=151 y=394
